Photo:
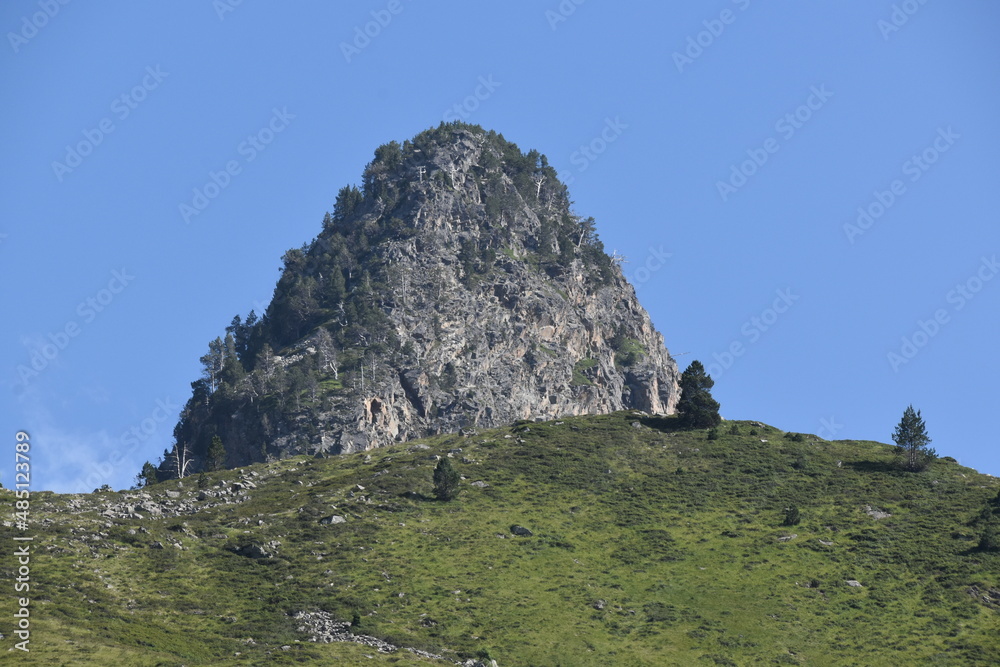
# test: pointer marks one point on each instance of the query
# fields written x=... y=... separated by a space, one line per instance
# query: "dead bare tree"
x=182 y=459
x=538 y=180
x=327 y=353
x=251 y=386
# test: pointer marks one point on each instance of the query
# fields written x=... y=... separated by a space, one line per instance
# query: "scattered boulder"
x=990 y=597
x=520 y=531
x=148 y=508
x=480 y=484
x=854 y=583
x=254 y=550
x=600 y=604
x=787 y=538
x=876 y=514
x=336 y=518
x=321 y=627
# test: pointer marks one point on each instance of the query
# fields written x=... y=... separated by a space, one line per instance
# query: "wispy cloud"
x=81 y=460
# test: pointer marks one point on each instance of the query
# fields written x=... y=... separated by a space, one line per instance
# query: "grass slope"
x=650 y=546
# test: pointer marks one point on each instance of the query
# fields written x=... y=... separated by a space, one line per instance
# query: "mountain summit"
x=454 y=290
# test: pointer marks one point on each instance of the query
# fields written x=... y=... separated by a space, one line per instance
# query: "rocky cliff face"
x=455 y=290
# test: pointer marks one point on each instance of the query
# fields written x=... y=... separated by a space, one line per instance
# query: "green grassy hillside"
x=648 y=546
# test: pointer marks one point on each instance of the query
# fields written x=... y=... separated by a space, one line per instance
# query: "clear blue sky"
x=117 y=112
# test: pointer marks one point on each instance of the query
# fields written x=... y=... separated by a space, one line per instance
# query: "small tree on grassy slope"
x=147 y=476
x=989 y=540
x=696 y=406
x=446 y=480
x=911 y=436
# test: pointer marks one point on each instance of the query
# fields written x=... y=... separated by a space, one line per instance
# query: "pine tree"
x=270 y=374
x=236 y=329
x=232 y=368
x=989 y=540
x=147 y=476
x=212 y=363
x=446 y=480
x=348 y=200
x=792 y=517
x=696 y=407
x=911 y=436
x=249 y=339
x=216 y=458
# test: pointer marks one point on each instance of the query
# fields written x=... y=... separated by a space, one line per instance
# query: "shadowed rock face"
x=496 y=304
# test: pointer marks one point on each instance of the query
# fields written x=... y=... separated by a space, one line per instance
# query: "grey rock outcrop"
x=494 y=303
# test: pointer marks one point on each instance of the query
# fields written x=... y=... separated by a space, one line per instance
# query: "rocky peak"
x=454 y=290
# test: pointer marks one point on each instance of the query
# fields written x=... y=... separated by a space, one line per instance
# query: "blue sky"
x=805 y=192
